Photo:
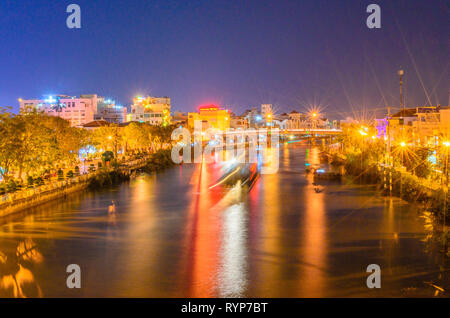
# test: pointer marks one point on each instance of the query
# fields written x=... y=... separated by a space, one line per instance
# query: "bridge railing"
x=315 y=130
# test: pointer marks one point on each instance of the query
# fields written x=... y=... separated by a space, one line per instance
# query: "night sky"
x=238 y=54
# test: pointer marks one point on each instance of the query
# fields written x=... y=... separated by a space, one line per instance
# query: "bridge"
x=323 y=131
x=294 y=131
x=242 y=135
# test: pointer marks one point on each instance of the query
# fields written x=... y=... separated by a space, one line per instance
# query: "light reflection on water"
x=169 y=235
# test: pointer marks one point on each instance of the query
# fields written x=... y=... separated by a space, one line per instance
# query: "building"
x=77 y=110
x=254 y=118
x=266 y=110
x=152 y=110
x=93 y=125
x=108 y=110
x=420 y=125
x=239 y=122
x=296 y=120
x=112 y=114
x=179 y=118
x=211 y=116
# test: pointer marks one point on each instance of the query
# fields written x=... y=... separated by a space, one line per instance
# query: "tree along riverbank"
x=400 y=183
x=103 y=177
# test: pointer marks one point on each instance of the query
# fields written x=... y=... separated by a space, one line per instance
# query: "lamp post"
x=402 y=145
x=447 y=148
x=314 y=116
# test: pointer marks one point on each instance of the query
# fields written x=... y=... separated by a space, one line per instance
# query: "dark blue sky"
x=236 y=53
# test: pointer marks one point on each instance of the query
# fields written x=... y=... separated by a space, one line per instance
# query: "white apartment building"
x=152 y=110
x=108 y=110
x=77 y=110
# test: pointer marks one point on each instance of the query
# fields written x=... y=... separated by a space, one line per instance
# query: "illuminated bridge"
x=311 y=132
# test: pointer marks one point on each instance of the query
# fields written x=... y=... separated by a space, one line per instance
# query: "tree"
x=9 y=142
x=134 y=137
x=37 y=146
x=108 y=138
x=160 y=136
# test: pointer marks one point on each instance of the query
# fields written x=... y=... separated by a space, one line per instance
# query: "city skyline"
x=194 y=60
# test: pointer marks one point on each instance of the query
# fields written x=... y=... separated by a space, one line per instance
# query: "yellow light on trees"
x=446 y=143
x=402 y=144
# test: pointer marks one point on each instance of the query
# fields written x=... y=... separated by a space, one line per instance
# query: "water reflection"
x=16 y=276
x=170 y=235
x=313 y=240
x=204 y=239
x=233 y=254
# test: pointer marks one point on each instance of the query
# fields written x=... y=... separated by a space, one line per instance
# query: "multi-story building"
x=77 y=110
x=239 y=122
x=296 y=120
x=179 y=118
x=266 y=110
x=152 y=110
x=419 y=125
x=254 y=117
x=108 y=110
x=211 y=116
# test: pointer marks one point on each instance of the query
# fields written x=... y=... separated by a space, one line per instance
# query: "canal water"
x=169 y=235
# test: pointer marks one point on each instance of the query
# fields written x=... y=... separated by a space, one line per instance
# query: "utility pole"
x=400 y=74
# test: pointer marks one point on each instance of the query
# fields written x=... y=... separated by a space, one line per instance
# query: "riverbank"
x=104 y=177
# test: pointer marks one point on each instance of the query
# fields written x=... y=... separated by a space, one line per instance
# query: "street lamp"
x=446 y=145
x=314 y=115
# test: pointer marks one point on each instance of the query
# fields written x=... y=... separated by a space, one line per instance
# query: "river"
x=168 y=235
